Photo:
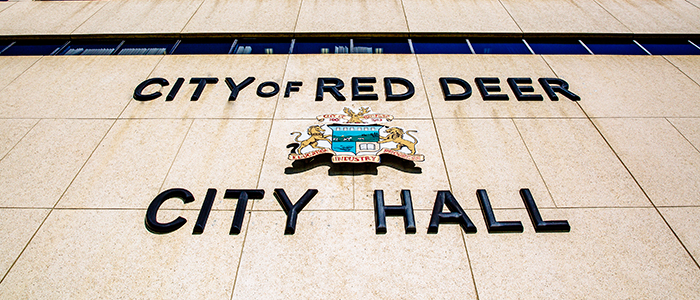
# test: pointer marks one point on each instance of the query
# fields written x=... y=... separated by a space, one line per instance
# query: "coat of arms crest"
x=355 y=137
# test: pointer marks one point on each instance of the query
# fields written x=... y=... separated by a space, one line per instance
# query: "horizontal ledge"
x=486 y=35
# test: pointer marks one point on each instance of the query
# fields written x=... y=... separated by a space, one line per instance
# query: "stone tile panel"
x=563 y=16
x=689 y=128
x=663 y=162
x=578 y=166
x=628 y=86
x=489 y=154
x=15 y=238
x=351 y=16
x=39 y=169
x=244 y=16
x=110 y=254
x=12 y=67
x=668 y=16
x=688 y=64
x=39 y=17
x=12 y=132
x=683 y=221
x=140 y=16
x=458 y=16
x=128 y=168
x=75 y=87
x=338 y=255
x=220 y=154
x=618 y=253
x=5 y=5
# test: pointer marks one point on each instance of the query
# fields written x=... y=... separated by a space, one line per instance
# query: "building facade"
x=305 y=149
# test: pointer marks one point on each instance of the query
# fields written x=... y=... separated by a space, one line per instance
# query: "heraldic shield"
x=355 y=138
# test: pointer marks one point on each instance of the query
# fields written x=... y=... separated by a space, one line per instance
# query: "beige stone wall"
x=81 y=161
x=313 y=16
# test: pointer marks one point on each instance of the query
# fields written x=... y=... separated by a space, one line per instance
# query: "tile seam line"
x=652 y=203
x=192 y=16
x=272 y=123
x=693 y=4
x=683 y=135
x=630 y=172
x=444 y=163
x=13 y=3
x=405 y=18
x=585 y=117
x=25 y=247
x=97 y=145
x=88 y=18
x=636 y=181
x=615 y=17
x=511 y=17
x=296 y=22
x=432 y=118
x=240 y=256
x=679 y=69
x=257 y=183
x=183 y=139
x=469 y=261
x=177 y=153
x=648 y=198
x=578 y=103
x=155 y=66
x=20 y=140
x=20 y=74
x=532 y=158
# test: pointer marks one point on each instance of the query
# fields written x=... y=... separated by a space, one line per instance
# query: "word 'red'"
x=456 y=214
x=362 y=88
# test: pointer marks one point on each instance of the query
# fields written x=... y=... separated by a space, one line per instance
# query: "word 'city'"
x=362 y=88
x=456 y=214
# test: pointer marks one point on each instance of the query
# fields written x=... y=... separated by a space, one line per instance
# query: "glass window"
x=441 y=46
x=150 y=47
x=34 y=48
x=204 y=46
x=499 y=47
x=395 y=46
x=90 y=48
x=557 y=47
x=321 y=46
x=625 y=47
x=3 y=45
x=262 y=46
x=682 y=47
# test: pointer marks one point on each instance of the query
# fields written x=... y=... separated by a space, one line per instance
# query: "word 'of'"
x=363 y=88
x=456 y=214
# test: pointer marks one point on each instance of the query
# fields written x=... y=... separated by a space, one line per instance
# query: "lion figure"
x=315 y=134
x=395 y=135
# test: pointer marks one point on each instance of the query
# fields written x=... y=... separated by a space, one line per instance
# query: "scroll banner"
x=310 y=154
x=357 y=158
x=366 y=119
